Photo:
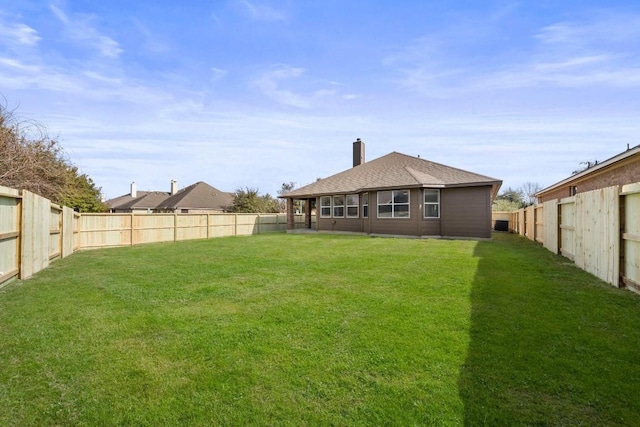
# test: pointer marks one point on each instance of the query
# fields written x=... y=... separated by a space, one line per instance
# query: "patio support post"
x=291 y=219
x=307 y=213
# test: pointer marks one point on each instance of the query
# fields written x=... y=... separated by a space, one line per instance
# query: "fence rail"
x=598 y=230
x=34 y=232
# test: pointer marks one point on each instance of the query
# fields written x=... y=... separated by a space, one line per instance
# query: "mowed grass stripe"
x=312 y=330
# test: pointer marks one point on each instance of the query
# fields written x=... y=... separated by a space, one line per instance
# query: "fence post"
x=175 y=226
x=132 y=243
x=622 y=262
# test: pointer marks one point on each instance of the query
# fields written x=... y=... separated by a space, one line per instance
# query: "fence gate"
x=598 y=233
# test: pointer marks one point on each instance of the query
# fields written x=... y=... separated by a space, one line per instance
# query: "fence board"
x=521 y=222
x=598 y=233
x=550 y=225
x=530 y=222
x=9 y=234
x=539 y=223
x=36 y=220
x=55 y=232
x=631 y=237
x=567 y=219
x=67 y=239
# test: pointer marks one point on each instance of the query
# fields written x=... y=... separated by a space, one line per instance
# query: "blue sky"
x=253 y=93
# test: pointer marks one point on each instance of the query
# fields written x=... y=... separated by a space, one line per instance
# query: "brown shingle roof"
x=395 y=170
x=196 y=196
x=143 y=200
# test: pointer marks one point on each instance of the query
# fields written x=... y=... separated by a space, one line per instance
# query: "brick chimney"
x=358 y=152
x=134 y=192
x=174 y=187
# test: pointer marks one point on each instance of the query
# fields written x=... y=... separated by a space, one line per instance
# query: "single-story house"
x=619 y=170
x=196 y=198
x=398 y=194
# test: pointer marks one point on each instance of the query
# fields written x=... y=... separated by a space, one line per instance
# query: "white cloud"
x=81 y=29
x=17 y=65
x=18 y=34
x=268 y=83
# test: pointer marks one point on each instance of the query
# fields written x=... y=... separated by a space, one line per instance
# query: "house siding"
x=339 y=224
x=466 y=212
x=618 y=174
x=399 y=226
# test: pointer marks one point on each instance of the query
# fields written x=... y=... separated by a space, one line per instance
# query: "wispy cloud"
x=261 y=12
x=272 y=84
x=598 y=51
x=81 y=29
x=17 y=65
x=269 y=84
x=18 y=34
x=218 y=73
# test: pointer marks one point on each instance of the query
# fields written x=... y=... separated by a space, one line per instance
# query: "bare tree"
x=528 y=191
x=31 y=160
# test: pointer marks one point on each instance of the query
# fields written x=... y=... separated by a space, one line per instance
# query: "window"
x=325 y=207
x=393 y=204
x=573 y=190
x=365 y=205
x=432 y=203
x=338 y=206
x=353 y=202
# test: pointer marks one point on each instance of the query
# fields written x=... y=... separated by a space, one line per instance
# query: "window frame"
x=356 y=205
x=425 y=203
x=392 y=203
x=322 y=206
x=337 y=206
x=365 y=205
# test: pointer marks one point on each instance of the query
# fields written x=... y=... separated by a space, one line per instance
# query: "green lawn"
x=319 y=330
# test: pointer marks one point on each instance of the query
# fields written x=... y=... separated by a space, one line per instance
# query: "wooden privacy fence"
x=599 y=230
x=117 y=229
x=34 y=231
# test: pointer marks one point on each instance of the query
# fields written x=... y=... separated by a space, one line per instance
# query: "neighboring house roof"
x=598 y=168
x=395 y=170
x=196 y=196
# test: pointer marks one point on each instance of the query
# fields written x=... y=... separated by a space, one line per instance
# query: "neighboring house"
x=619 y=170
x=196 y=198
x=399 y=195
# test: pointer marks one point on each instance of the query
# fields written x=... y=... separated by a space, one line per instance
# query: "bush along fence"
x=34 y=231
x=598 y=230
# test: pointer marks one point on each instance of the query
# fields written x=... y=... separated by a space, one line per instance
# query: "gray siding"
x=466 y=212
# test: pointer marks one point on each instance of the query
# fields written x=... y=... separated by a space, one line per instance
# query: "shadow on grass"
x=549 y=343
